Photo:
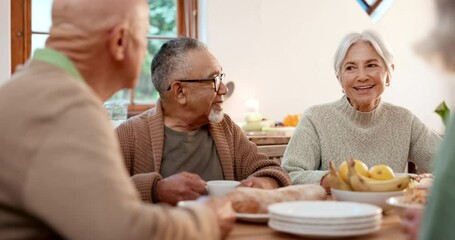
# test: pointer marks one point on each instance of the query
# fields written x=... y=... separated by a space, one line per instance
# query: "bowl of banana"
x=356 y=185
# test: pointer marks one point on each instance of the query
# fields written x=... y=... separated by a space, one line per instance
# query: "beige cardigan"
x=142 y=140
x=62 y=174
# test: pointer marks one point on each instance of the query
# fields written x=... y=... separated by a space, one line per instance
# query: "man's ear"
x=117 y=42
x=179 y=92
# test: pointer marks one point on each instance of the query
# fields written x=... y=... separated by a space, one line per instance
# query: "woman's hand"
x=224 y=213
x=325 y=183
x=424 y=175
x=411 y=222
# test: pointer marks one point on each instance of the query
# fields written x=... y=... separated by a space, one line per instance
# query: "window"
x=31 y=20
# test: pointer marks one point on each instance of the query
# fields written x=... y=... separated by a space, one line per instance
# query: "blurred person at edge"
x=437 y=220
x=171 y=150
x=359 y=125
x=62 y=174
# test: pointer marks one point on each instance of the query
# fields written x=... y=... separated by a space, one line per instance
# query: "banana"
x=391 y=185
x=365 y=184
x=335 y=181
x=357 y=183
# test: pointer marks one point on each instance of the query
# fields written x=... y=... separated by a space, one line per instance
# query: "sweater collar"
x=361 y=118
x=56 y=58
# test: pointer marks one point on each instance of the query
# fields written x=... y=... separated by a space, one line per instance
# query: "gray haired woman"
x=359 y=124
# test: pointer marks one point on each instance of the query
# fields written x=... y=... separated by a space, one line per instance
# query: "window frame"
x=21 y=35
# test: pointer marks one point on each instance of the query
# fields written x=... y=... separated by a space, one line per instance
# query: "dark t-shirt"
x=193 y=152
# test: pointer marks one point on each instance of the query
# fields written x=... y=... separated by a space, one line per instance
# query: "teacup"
x=220 y=188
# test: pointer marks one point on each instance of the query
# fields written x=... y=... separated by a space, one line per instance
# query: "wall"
x=281 y=53
x=5 y=39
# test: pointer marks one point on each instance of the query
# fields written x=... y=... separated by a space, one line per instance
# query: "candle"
x=252 y=105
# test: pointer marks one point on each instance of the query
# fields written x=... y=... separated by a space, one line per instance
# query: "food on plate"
x=417 y=192
x=360 y=183
x=381 y=172
x=360 y=167
x=255 y=200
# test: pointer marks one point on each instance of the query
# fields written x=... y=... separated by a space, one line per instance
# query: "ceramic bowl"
x=374 y=198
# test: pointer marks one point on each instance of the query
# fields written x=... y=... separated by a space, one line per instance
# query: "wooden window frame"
x=21 y=36
x=20 y=32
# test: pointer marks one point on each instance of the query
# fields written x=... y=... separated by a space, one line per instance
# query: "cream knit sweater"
x=335 y=131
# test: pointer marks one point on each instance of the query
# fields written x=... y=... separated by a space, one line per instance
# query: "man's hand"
x=325 y=183
x=223 y=211
x=411 y=222
x=180 y=186
x=259 y=182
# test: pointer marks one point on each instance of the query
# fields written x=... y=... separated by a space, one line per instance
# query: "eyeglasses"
x=216 y=81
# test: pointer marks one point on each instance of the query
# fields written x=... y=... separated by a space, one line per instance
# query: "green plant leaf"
x=444 y=112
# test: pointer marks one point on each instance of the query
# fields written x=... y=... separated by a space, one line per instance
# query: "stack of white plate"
x=325 y=218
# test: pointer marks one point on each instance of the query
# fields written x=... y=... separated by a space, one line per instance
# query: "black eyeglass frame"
x=216 y=81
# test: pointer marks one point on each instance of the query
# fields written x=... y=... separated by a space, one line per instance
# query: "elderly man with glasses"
x=170 y=151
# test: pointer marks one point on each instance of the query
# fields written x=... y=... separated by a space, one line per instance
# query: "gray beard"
x=215 y=116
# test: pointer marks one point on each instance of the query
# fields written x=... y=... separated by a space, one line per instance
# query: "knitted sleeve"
x=249 y=162
x=424 y=144
x=302 y=157
x=125 y=136
x=144 y=182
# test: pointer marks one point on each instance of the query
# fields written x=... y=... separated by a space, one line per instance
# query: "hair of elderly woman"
x=169 y=61
x=380 y=45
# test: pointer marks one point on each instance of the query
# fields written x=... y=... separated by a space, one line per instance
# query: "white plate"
x=279 y=226
x=398 y=203
x=324 y=210
x=330 y=227
x=329 y=221
x=257 y=218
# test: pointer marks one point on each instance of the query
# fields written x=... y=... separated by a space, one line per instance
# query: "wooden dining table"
x=390 y=229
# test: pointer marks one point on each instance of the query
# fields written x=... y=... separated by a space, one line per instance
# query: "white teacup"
x=221 y=187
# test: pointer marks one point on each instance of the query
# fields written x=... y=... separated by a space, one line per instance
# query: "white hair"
x=379 y=45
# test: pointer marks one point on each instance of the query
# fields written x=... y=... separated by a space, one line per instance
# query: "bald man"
x=61 y=171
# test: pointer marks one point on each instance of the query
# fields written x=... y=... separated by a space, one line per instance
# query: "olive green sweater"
x=335 y=131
